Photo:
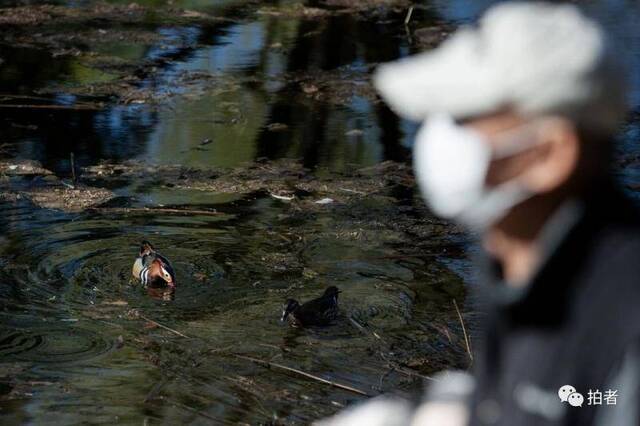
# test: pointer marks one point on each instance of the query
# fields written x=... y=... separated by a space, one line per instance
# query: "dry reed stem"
x=302 y=373
x=163 y=326
x=464 y=331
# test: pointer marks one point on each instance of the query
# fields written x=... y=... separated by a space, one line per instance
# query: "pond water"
x=81 y=342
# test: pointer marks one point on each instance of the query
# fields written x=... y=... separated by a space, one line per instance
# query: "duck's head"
x=146 y=248
x=162 y=271
x=289 y=307
x=332 y=291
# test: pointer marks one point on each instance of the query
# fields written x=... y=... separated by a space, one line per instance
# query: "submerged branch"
x=126 y=210
x=302 y=373
x=464 y=331
x=156 y=323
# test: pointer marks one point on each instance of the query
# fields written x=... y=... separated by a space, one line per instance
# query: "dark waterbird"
x=320 y=311
x=152 y=268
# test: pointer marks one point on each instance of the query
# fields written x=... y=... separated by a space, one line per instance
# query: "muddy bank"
x=381 y=196
x=29 y=181
x=47 y=18
x=368 y=9
x=283 y=179
x=87 y=33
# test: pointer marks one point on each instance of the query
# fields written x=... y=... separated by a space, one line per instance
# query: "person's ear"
x=558 y=157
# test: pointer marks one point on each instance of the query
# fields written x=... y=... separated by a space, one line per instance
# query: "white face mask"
x=451 y=164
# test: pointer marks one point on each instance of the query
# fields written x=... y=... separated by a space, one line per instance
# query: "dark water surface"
x=73 y=347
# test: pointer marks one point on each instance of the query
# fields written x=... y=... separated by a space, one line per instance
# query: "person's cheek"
x=506 y=169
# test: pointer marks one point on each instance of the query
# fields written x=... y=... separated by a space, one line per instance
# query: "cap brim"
x=450 y=79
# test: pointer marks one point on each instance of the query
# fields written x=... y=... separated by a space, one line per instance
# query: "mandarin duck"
x=320 y=311
x=152 y=268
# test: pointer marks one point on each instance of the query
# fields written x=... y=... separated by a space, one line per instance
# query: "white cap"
x=536 y=58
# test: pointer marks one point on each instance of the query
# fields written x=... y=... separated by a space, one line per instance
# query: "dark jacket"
x=574 y=323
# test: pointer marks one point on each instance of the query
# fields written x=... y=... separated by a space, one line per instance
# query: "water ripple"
x=63 y=345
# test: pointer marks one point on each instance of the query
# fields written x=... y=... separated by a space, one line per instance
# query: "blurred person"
x=519 y=115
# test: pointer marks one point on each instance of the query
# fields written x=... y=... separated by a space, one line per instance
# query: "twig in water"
x=163 y=326
x=358 y=325
x=363 y=329
x=191 y=409
x=464 y=331
x=210 y=352
x=394 y=366
x=282 y=197
x=408 y=17
x=302 y=373
x=409 y=372
x=384 y=376
x=125 y=210
x=73 y=167
x=279 y=348
x=352 y=191
x=444 y=330
x=406 y=371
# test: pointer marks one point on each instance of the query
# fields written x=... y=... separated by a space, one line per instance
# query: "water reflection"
x=274 y=51
x=254 y=64
x=256 y=68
